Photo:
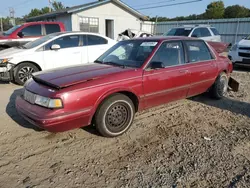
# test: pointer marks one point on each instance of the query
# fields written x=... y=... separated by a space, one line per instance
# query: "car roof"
x=163 y=38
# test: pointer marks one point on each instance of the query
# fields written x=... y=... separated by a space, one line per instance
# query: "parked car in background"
x=240 y=52
x=151 y=71
x=24 y=33
x=132 y=33
x=204 y=32
x=51 y=51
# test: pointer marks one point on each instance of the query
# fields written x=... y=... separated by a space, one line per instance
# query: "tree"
x=236 y=11
x=45 y=10
x=34 y=12
x=215 y=10
x=57 y=5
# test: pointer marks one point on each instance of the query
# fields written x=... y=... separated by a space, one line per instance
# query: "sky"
x=23 y=7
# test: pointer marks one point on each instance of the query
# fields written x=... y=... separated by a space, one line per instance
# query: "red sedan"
x=131 y=76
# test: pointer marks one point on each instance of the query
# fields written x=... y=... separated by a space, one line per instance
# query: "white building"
x=107 y=17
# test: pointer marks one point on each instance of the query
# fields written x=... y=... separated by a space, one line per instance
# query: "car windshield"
x=129 y=53
x=248 y=38
x=11 y=30
x=40 y=41
x=179 y=32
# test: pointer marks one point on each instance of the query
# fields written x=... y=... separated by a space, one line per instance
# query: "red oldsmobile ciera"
x=131 y=76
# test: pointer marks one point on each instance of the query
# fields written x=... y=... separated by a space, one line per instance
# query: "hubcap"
x=117 y=117
x=223 y=85
x=25 y=73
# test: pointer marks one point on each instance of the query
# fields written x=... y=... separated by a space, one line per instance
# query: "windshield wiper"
x=114 y=64
x=98 y=61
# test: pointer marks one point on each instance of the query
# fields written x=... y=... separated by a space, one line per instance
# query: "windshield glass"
x=40 y=41
x=248 y=38
x=179 y=32
x=129 y=53
x=11 y=30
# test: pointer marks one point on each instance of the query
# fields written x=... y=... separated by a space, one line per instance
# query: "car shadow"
x=13 y=114
x=231 y=105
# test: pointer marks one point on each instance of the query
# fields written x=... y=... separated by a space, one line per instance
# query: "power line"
x=153 y=3
x=168 y=5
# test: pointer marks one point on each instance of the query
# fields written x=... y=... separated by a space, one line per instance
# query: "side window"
x=52 y=28
x=96 y=40
x=215 y=31
x=196 y=33
x=205 y=32
x=32 y=30
x=65 y=42
x=198 y=51
x=170 y=54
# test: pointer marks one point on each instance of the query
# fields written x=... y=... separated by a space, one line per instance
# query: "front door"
x=202 y=66
x=169 y=83
x=70 y=52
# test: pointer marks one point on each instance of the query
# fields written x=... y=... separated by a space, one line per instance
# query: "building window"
x=89 y=24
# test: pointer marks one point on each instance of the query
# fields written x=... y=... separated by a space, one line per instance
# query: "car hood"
x=244 y=43
x=2 y=37
x=11 y=52
x=68 y=76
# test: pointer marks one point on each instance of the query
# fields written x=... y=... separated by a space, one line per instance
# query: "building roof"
x=89 y=6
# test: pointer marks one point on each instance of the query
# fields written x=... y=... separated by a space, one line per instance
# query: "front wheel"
x=114 y=116
x=219 y=89
x=23 y=72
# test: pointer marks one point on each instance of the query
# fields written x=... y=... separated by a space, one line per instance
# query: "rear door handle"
x=183 y=71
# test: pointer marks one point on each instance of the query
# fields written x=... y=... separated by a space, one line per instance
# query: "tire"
x=23 y=72
x=220 y=86
x=114 y=116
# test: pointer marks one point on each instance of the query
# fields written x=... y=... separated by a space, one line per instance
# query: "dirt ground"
x=196 y=142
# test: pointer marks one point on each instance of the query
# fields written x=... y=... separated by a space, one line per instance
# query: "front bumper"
x=6 y=72
x=45 y=119
x=238 y=60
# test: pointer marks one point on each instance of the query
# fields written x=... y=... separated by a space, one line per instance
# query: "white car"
x=239 y=54
x=204 y=32
x=51 y=51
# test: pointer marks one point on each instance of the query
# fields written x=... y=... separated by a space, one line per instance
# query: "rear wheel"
x=23 y=72
x=219 y=89
x=115 y=115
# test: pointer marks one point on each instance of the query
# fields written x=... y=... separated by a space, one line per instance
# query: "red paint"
x=83 y=88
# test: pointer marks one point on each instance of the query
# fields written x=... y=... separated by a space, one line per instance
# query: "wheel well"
x=131 y=95
x=31 y=63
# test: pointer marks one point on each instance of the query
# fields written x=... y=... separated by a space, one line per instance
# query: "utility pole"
x=50 y=5
x=1 y=24
x=12 y=15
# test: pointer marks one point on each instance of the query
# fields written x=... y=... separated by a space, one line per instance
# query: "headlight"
x=48 y=103
x=234 y=47
x=5 y=60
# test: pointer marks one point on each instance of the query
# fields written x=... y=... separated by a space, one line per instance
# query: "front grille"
x=244 y=54
x=244 y=48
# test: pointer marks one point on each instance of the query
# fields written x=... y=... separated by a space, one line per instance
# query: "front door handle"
x=183 y=71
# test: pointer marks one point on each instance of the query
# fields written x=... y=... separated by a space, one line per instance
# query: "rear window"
x=96 y=40
x=179 y=32
x=52 y=28
x=198 y=51
x=215 y=31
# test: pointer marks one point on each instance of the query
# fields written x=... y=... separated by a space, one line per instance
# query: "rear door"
x=202 y=33
x=202 y=65
x=169 y=83
x=97 y=45
x=70 y=52
x=51 y=28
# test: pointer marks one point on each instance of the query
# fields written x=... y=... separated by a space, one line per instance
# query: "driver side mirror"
x=20 y=34
x=156 y=65
x=55 y=47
